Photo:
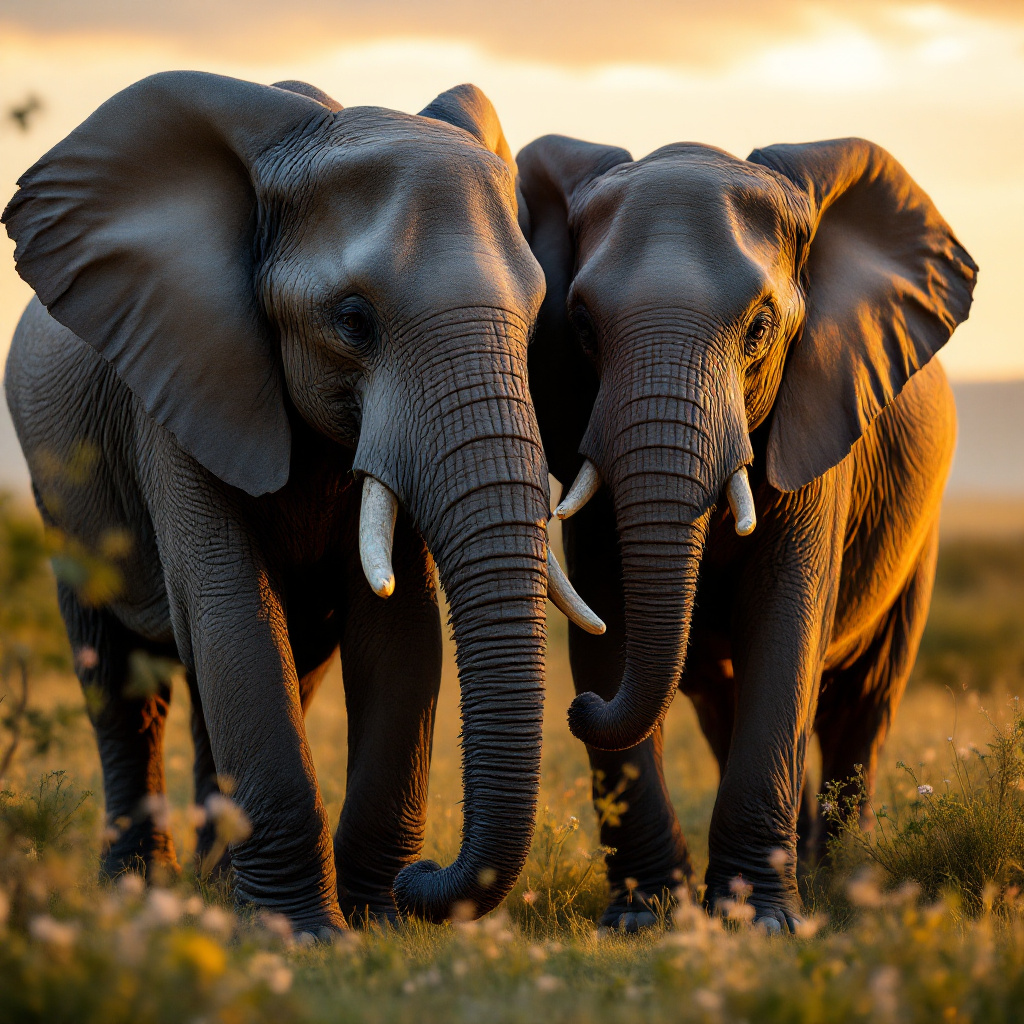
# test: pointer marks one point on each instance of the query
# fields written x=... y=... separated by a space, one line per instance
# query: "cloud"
x=571 y=32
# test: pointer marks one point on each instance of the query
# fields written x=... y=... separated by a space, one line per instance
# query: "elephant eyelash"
x=354 y=322
x=760 y=329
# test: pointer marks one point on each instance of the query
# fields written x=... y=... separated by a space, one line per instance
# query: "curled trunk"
x=666 y=442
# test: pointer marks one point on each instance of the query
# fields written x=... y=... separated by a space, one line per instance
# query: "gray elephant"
x=249 y=300
x=707 y=318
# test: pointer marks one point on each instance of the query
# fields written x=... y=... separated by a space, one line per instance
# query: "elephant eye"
x=584 y=328
x=354 y=322
x=760 y=327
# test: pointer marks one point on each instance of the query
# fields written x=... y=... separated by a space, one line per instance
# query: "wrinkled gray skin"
x=705 y=313
x=271 y=293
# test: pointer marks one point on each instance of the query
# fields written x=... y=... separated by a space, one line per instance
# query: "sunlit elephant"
x=259 y=313
x=707 y=317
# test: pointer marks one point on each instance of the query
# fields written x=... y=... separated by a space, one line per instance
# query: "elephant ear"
x=466 y=107
x=138 y=233
x=563 y=382
x=305 y=89
x=886 y=282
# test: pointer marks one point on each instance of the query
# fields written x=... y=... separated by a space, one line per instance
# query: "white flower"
x=54 y=933
x=270 y=969
x=925 y=790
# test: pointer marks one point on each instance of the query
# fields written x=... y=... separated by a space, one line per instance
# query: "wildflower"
x=196 y=816
x=778 y=859
x=163 y=908
x=925 y=790
x=863 y=891
x=463 y=912
x=156 y=806
x=87 y=657
x=740 y=887
x=131 y=885
x=529 y=897
x=231 y=821
x=204 y=955
x=537 y=954
x=277 y=924
x=707 y=1000
x=219 y=922
x=270 y=969
x=885 y=992
x=45 y=929
x=547 y=983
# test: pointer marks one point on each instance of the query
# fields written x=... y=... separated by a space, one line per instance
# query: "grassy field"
x=919 y=921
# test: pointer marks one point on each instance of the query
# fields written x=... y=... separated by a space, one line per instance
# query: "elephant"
x=725 y=341
x=291 y=339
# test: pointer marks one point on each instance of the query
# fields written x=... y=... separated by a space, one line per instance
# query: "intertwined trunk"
x=473 y=477
x=666 y=433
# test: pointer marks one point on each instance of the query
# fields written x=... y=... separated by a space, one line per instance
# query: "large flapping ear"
x=466 y=107
x=886 y=283
x=305 y=89
x=552 y=170
x=137 y=232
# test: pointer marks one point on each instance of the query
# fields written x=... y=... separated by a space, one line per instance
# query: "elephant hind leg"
x=129 y=731
x=860 y=702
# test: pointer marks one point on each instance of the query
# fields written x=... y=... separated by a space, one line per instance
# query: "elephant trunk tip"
x=607 y=725
x=426 y=890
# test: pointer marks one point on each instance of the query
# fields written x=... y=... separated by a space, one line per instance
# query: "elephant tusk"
x=377 y=515
x=568 y=602
x=741 y=501
x=586 y=485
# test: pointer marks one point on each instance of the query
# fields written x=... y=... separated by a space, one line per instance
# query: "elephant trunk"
x=667 y=438
x=473 y=479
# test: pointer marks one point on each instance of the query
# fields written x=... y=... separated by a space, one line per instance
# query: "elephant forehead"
x=407 y=216
x=688 y=225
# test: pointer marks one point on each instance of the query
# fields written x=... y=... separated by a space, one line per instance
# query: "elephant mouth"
x=737 y=492
x=378 y=512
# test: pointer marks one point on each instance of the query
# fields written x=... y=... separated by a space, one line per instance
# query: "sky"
x=941 y=85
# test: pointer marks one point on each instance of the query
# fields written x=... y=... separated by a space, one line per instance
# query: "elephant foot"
x=741 y=903
x=139 y=848
x=633 y=910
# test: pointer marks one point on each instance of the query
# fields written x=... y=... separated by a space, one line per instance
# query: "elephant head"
x=242 y=254
x=692 y=298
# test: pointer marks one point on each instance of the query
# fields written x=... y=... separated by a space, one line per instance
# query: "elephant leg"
x=635 y=814
x=204 y=781
x=781 y=624
x=860 y=702
x=391 y=662
x=129 y=733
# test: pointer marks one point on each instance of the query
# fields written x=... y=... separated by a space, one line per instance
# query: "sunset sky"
x=940 y=85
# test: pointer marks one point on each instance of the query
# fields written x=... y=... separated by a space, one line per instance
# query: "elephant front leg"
x=635 y=814
x=391 y=660
x=249 y=695
x=782 y=622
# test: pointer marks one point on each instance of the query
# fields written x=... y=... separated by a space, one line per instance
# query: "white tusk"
x=376 y=533
x=741 y=501
x=568 y=602
x=583 y=489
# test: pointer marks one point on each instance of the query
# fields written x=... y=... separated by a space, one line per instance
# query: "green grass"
x=919 y=920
